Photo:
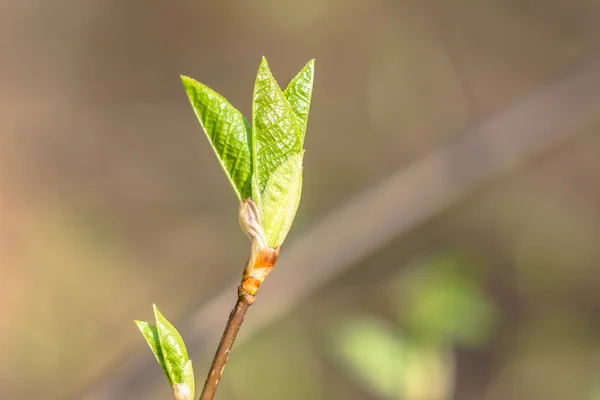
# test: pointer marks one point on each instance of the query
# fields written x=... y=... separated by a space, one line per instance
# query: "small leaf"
x=185 y=390
x=227 y=131
x=277 y=132
x=281 y=198
x=151 y=335
x=299 y=93
x=172 y=346
x=188 y=377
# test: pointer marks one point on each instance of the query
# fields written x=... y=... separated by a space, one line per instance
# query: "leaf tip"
x=186 y=79
x=157 y=313
x=140 y=324
x=264 y=65
x=311 y=67
x=187 y=83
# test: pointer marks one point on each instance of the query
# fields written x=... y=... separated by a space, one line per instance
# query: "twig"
x=236 y=318
x=261 y=261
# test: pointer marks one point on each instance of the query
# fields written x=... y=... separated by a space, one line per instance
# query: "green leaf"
x=281 y=198
x=172 y=346
x=188 y=377
x=227 y=131
x=277 y=132
x=151 y=335
x=299 y=93
x=186 y=389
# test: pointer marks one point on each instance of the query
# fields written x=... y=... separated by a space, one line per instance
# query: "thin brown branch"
x=261 y=261
x=236 y=318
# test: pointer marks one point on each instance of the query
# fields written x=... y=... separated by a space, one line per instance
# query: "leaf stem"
x=236 y=318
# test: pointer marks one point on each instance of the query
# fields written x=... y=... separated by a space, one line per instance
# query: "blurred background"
x=446 y=246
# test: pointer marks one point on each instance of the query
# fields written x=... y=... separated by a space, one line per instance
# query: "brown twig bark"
x=236 y=318
x=260 y=263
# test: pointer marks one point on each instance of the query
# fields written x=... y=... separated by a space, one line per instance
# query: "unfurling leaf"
x=151 y=335
x=185 y=390
x=188 y=376
x=281 y=198
x=262 y=160
x=227 y=131
x=170 y=352
x=172 y=346
x=277 y=132
x=299 y=93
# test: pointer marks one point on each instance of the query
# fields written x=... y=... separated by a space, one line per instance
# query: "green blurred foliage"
x=375 y=353
x=440 y=306
x=391 y=364
x=440 y=300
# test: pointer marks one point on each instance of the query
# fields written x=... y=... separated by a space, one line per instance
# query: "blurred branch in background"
x=402 y=202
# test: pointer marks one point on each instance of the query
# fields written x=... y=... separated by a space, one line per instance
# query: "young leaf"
x=151 y=335
x=276 y=131
x=299 y=93
x=281 y=198
x=188 y=377
x=172 y=346
x=227 y=131
x=185 y=390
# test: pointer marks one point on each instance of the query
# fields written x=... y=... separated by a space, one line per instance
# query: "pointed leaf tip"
x=299 y=95
x=277 y=132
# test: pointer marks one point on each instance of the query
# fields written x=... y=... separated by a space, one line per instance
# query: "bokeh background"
x=483 y=285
